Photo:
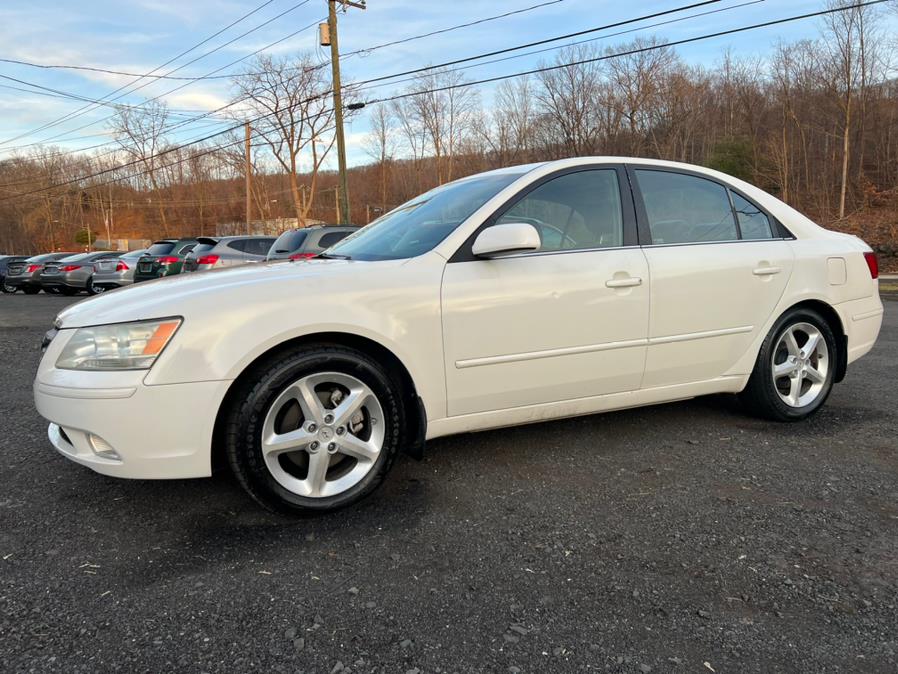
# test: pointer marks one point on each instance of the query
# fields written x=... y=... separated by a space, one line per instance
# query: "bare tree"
x=290 y=103
x=141 y=133
x=381 y=146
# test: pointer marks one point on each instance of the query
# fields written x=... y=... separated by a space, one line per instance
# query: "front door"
x=566 y=322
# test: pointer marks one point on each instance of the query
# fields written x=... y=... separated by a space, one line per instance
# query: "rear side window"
x=160 y=248
x=186 y=249
x=201 y=248
x=752 y=222
x=686 y=209
x=575 y=211
x=329 y=239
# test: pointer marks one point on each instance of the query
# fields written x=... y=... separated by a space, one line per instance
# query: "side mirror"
x=505 y=239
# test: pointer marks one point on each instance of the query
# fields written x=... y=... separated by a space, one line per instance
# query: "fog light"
x=102 y=448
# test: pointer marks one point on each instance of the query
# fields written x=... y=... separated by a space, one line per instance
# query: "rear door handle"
x=766 y=271
x=628 y=282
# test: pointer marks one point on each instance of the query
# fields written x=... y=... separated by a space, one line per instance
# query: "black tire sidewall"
x=8 y=289
x=252 y=404
x=779 y=408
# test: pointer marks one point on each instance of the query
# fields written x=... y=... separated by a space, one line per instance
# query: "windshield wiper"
x=332 y=256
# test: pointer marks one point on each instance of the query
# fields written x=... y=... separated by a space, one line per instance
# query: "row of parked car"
x=70 y=273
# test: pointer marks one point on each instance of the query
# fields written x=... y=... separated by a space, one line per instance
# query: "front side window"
x=419 y=225
x=574 y=211
x=752 y=222
x=686 y=209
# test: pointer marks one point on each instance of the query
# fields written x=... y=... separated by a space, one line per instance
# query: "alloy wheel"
x=800 y=365
x=322 y=434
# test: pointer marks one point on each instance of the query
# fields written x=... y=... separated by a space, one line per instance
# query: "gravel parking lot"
x=685 y=537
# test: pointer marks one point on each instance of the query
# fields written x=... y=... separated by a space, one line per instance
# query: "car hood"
x=228 y=288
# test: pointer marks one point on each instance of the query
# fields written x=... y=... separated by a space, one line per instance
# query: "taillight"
x=207 y=259
x=302 y=256
x=121 y=266
x=70 y=267
x=34 y=267
x=167 y=259
x=872 y=264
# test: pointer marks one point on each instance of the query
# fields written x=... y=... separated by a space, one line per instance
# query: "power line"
x=365 y=51
x=401 y=74
x=605 y=57
x=83 y=110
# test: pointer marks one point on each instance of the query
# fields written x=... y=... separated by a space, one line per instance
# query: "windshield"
x=420 y=224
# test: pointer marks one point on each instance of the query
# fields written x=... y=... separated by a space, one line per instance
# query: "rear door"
x=718 y=267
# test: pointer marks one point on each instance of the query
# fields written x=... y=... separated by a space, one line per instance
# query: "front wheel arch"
x=417 y=415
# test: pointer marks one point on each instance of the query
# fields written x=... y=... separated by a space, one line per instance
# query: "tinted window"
x=420 y=224
x=752 y=222
x=183 y=250
x=329 y=239
x=160 y=248
x=686 y=209
x=289 y=242
x=574 y=211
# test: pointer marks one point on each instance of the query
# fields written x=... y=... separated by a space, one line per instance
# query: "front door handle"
x=766 y=270
x=627 y=282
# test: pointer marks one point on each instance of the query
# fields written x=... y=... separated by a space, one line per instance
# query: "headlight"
x=121 y=346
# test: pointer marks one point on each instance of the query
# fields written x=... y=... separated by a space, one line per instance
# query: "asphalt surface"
x=679 y=538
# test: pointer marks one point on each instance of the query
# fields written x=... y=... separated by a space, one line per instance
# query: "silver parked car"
x=70 y=275
x=115 y=272
x=26 y=275
x=297 y=244
x=226 y=251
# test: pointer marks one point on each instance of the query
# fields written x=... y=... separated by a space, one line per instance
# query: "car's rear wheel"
x=68 y=292
x=8 y=288
x=92 y=288
x=793 y=375
x=30 y=290
x=314 y=429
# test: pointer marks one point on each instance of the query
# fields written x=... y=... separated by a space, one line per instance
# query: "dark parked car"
x=296 y=244
x=70 y=275
x=5 y=261
x=227 y=251
x=115 y=272
x=26 y=275
x=163 y=258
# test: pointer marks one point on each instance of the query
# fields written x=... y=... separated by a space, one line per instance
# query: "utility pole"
x=338 y=100
x=249 y=177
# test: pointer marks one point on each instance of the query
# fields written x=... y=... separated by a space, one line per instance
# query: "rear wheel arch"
x=835 y=323
x=416 y=413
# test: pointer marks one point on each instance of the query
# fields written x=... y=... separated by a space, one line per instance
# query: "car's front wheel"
x=314 y=429
x=793 y=375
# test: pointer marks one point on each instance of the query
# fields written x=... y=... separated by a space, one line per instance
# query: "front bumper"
x=153 y=432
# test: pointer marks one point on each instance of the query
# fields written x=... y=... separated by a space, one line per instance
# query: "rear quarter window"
x=329 y=239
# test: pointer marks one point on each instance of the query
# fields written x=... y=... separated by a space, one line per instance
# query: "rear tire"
x=314 y=429
x=793 y=375
x=94 y=289
x=30 y=290
x=7 y=288
x=68 y=292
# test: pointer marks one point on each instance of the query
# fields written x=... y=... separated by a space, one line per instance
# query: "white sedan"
x=514 y=296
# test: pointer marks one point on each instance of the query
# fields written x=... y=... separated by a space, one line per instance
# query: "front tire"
x=314 y=429
x=793 y=375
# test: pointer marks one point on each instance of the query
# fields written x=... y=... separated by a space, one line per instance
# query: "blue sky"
x=139 y=35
